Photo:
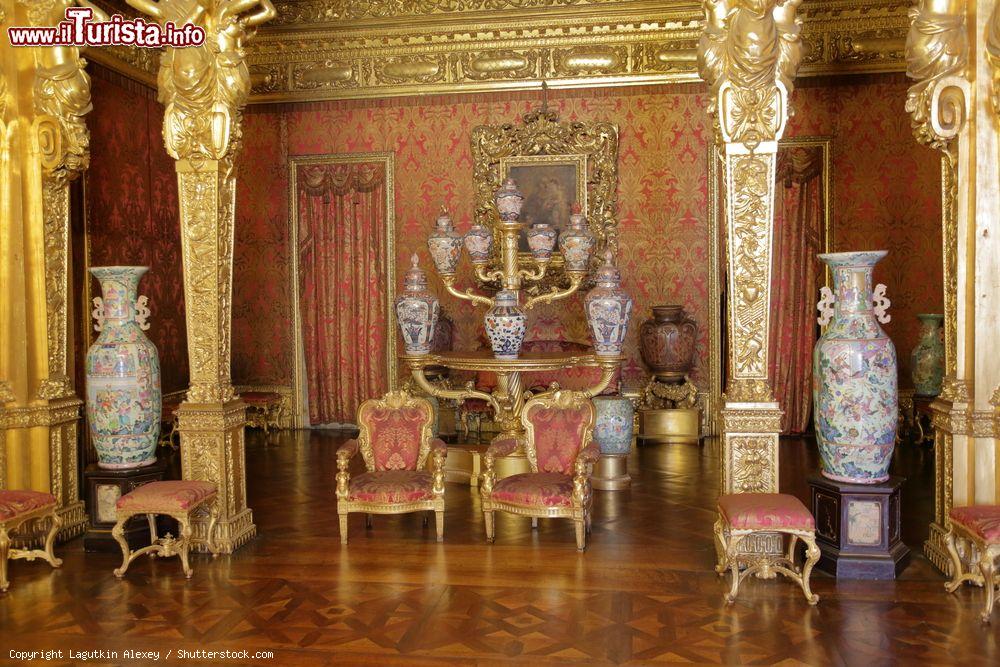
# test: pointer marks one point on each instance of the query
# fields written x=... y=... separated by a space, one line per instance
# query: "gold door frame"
x=717 y=253
x=388 y=160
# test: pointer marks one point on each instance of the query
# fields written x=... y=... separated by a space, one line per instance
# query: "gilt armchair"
x=560 y=451
x=395 y=441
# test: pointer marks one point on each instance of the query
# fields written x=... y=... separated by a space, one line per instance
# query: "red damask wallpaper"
x=885 y=187
x=132 y=214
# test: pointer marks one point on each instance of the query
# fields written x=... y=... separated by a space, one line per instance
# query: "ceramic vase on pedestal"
x=667 y=342
x=505 y=325
x=445 y=245
x=608 y=309
x=927 y=358
x=854 y=374
x=417 y=311
x=613 y=431
x=576 y=242
x=541 y=241
x=123 y=375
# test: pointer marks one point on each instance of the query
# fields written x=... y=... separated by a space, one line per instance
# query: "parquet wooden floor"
x=643 y=593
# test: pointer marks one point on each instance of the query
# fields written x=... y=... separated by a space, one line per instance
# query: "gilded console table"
x=507 y=399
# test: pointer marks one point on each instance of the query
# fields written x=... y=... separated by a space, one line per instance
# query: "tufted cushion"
x=984 y=520
x=760 y=511
x=542 y=489
x=391 y=486
x=395 y=435
x=558 y=436
x=166 y=497
x=15 y=503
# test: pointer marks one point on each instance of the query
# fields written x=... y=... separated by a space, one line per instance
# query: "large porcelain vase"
x=854 y=375
x=417 y=311
x=927 y=358
x=123 y=376
x=667 y=341
x=608 y=308
x=505 y=325
x=613 y=428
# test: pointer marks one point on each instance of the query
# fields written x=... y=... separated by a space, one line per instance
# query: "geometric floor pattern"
x=643 y=593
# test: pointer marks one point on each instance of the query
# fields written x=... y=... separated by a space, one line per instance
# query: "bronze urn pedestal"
x=667 y=342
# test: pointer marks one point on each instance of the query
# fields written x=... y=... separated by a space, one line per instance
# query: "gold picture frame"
x=541 y=138
x=548 y=169
x=388 y=159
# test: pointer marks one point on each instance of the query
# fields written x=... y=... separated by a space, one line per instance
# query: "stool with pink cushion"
x=16 y=509
x=179 y=499
x=743 y=515
x=979 y=527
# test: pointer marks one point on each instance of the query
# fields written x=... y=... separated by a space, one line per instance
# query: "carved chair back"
x=395 y=431
x=558 y=427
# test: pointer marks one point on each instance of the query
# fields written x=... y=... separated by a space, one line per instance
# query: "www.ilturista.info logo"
x=79 y=29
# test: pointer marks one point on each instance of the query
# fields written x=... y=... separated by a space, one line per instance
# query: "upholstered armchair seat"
x=978 y=528
x=560 y=451
x=395 y=442
x=392 y=487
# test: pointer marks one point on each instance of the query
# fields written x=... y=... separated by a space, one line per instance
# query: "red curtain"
x=342 y=295
x=798 y=233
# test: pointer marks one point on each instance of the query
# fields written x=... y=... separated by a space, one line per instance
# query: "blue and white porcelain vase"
x=509 y=201
x=505 y=325
x=445 y=245
x=608 y=308
x=927 y=358
x=417 y=311
x=855 y=395
x=123 y=374
x=613 y=428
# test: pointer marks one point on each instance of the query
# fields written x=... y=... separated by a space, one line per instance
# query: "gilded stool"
x=178 y=499
x=744 y=514
x=16 y=509
x=978 y=526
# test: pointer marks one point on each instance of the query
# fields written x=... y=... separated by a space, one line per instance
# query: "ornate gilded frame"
x=388 y=159
x=717 y=254
x=543 y=137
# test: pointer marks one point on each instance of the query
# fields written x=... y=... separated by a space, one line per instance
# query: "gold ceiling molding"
x=345 y=49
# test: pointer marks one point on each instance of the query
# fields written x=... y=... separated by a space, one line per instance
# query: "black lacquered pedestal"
x=104 y=488
x=858 y=528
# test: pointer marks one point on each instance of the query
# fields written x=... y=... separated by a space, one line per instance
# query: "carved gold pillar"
x=46 y=95
x=953 y=107
x=204 y=89
x=748 y=54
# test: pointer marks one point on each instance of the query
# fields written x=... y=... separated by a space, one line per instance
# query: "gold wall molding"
x=300 y=416
x=337 y=49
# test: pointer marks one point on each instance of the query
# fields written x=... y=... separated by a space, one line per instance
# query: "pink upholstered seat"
x=391 y=486
x=543 y=489
x=760 y=511
x=984 y=520
x=170 y=496
x=16 y=503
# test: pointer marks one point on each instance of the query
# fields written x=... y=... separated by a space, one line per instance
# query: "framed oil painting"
x=551 y=184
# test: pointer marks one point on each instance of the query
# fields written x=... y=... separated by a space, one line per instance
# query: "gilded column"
x=749 y=54
x=948 y=53
x=204 y=89
x=46 y=146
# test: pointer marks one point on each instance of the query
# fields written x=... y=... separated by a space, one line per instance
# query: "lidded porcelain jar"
x=505 y=325
x=855 y=396
x=123 y=375
x=576 y=242
x=927 y=358
x=608 y=308
x=445 y=245
x=479 y=244
x=509 y=201
x=417 y=311
x=667 y=342
x=542 y=240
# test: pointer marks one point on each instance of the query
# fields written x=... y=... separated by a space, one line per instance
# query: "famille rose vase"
x=576 y=242
x=927 y=358
x=854 y=374
x=608 y=309
x=445 y=245
x=123 y=374
x=505 y=325
x=417 y=311
x=613 y=428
